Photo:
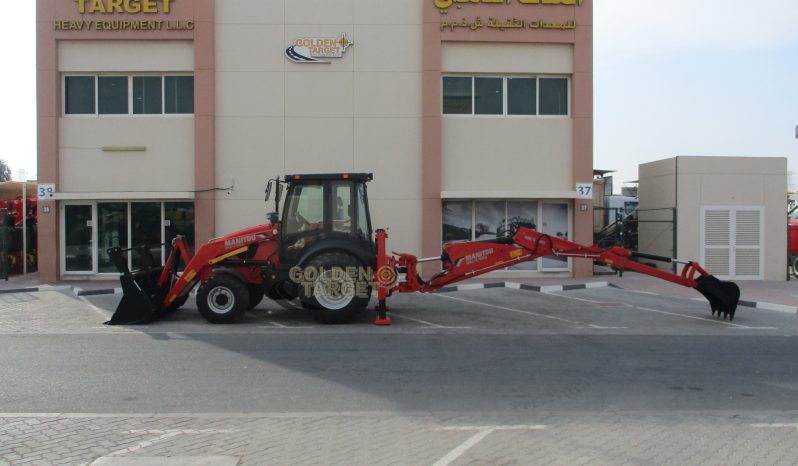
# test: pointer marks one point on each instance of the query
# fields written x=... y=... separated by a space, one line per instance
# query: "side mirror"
x=269 y=190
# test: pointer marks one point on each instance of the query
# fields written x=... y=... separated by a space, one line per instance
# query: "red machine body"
x=464 y=260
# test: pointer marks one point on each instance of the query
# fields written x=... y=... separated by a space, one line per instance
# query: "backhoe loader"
x=322 y=251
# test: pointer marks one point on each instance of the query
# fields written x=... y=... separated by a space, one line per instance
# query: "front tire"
x=222 y=299
x=335 y=297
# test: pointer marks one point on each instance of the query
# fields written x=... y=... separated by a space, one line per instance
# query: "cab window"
x=307 y=209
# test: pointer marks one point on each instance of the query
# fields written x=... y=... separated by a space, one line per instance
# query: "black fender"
x=232 y=273
x=366 y=257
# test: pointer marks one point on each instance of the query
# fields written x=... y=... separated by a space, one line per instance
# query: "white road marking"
x=685 y=316
x=482 y=432
x=273 y=325
x=794 y=426
x=429 y=324
x=163 y=435
x=96 y=309
x=545 y=316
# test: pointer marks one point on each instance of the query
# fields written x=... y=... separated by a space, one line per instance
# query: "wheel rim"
x=334 y=292
x=221 y=300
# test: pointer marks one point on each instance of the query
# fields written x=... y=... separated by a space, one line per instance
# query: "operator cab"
x=326 y=211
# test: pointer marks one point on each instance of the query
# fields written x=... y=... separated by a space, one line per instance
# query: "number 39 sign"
x=46 y=191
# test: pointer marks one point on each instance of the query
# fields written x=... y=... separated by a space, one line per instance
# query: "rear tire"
x=333 y=297
x=795 y=267
x=222 y=299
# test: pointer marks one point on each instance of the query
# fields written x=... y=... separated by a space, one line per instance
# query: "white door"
x=731 y=242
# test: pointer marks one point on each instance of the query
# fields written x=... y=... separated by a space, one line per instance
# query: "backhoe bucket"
x=722 y=296
x=142 y=301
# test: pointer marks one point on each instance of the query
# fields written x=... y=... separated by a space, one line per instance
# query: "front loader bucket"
x=723 y=296
x=140 y=304
x=141 y=301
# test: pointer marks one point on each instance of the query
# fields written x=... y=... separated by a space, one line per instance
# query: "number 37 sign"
x=584 y=190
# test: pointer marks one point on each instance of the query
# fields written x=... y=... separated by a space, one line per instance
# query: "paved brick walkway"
x=389 y=439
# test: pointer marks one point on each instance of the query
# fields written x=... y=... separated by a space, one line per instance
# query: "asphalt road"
x=498 y=351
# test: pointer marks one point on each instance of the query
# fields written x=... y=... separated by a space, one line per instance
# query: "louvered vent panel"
x=746 y=263
x=717 y=261
x=749 y=225
x=716 y=228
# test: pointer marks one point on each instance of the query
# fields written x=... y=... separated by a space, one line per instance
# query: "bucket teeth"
x=723 y=296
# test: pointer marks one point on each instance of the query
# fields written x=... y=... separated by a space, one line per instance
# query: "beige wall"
x=657 y=193
x=361 y=112
x=693 y=182
x=109 y=56
x=167 y=164
x=536 y=153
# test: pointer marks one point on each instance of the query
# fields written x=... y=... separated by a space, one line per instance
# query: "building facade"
x=165 y=117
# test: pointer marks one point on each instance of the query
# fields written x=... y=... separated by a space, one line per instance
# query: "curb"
x=521 y=286
x=769 y=306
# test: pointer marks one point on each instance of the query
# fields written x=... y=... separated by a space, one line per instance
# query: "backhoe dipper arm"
x=464 y=260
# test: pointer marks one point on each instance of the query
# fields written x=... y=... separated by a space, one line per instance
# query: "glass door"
x=78 y=238
x=145 y=228
x=555 y=223
x=111 y=232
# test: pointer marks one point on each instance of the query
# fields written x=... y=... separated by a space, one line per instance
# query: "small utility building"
x=727 y=212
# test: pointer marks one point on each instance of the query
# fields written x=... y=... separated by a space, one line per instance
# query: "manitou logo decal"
x=311 y=49
x=231 y=243
x=478 y=256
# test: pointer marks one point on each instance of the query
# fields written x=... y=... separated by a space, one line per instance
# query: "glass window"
x=111 y=232
x=79 y=95
x=78 y=248
x=489 y=217
x=342 y=207
x=457 y=218
x=179 y=94
x=145 y=228
x=555 y=223
x=147 y=95
x=521 y=96
x=307 y=210
x=363 y=227
x=179 y=220
x=488 y=96
x=522 y=214
x=112 y=95
x=457 y=95
x=553 y=96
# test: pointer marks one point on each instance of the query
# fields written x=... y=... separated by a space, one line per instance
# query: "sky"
x=676 y=77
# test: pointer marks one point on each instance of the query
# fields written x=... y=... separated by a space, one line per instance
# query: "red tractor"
x=323 y=252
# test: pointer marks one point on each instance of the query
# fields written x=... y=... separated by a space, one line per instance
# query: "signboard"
x=499 y=22
x=314 y=49
x=584 y=190
x=45 y=191
x=123 y=15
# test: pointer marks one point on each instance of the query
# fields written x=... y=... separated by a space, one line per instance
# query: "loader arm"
x=464 y=260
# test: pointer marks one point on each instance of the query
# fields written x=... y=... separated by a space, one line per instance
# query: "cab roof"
x=329 y=177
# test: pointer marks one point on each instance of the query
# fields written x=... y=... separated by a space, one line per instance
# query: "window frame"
x=505 y=110
x=95 y=233
x=130 y=113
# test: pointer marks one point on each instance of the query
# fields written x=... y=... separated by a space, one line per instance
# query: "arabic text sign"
x=504 y=24
x=444 y=5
